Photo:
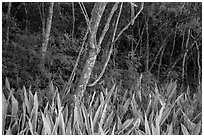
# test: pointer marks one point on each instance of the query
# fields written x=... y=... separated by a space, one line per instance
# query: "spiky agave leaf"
x=184 y=130
x=30 y=126
x=196 y=129
x=34 y=113
x=136 y=124
x=170 y=129
x=125 y=125
x=113 y=130
x=31 y=98
x=59 y=124
x=91 y=124
x=26 y=100
x=154 y=130
x=14 y=108
x=147 y=128
x=125 y=106
x=23 y=116
x=109 y=121
x=4 y=110
x=46 y=125
x=68 y=130
x=7 y=84
x=78 y=121
x=119 y=124
x=86 y=117
x=100 y=130
x=168 y=109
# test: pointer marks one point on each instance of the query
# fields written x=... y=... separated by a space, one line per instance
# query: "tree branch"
x=97 y=13
x=102 y=36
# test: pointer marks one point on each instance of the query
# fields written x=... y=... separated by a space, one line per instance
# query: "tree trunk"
x=42 y=15
x=47 y=32
x=45 y=39
x=184 y=58
x=8 y=22
x=96 y=15
x=147 y=47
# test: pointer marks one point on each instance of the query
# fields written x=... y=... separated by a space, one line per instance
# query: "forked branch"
x=115 y=39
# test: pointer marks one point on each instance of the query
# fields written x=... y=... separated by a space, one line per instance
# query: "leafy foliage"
x=105 y=113
x=152 y=84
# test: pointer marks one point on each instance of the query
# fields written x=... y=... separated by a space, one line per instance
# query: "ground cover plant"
x=105 y=113
x=102 y=68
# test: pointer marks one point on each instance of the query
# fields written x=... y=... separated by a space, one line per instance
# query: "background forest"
x=146 y=78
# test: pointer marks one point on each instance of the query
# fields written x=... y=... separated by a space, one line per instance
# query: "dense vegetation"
x=151 y=84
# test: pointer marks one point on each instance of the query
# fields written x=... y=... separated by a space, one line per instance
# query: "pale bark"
x=69 y=83
x=199 y=65
x=184 y=57
x=42 y=15
x=147 y=47
x=96 y=15
x=7 y=22
x=114 y=38
x=47 y=31
x=45 y=39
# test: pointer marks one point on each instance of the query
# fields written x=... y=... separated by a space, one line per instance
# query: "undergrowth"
x=108 y=111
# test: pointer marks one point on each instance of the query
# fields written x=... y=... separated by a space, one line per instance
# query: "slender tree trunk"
x=47 y=31
x=160 y=61
x=45 y=37
x=157 y=55
x=8 y=22
x=73 y=100
x=42 y=15
x=96 y=15
x=174 y=42
x=111 y=43
x=199 y=65
x=73 y=23
x=184 y=57
x=147 y=48
x=26 y=12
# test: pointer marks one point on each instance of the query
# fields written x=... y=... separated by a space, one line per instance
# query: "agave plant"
x=104 y=113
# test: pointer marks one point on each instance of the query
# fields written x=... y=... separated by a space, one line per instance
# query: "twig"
x=108 y=23
x=147 y=46
x=158 y=53
x=139 y=40
x=73 y=23
x=132 y=20
x=184 y=57
x=83 y=9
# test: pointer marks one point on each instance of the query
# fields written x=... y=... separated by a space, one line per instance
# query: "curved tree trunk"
x=73 y=100
x=96 y=15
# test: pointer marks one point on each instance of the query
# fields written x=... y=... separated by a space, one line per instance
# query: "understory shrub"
x=105 y=112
